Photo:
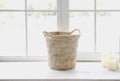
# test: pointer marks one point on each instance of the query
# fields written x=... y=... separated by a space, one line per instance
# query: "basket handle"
x=74 y=31
x=45 y=33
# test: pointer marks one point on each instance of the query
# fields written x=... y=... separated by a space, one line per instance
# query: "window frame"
x=63 y=25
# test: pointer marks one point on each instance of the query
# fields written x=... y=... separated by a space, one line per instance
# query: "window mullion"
x=63 y=17
x=95 y=26
x=26 y=25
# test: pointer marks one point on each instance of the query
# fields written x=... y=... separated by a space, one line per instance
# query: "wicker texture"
x=62 y=49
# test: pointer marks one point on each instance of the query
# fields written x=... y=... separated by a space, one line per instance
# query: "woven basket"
x=62 y=49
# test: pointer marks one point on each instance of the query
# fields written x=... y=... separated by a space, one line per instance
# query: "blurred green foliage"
x=2 y=2
x=45 y=14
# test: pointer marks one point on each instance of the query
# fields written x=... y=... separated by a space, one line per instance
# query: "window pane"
x=108 y=4
x=85 y=22
x=108 y=24
x=37 y=23
x=81 y=4
x=42 y=4
x=12 y=34
x=12 y=4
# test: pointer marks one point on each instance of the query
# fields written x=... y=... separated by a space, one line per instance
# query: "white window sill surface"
x=39 y=71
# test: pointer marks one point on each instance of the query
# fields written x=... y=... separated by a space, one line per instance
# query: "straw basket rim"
x=61 y=33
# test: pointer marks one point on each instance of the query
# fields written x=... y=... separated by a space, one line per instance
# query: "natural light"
x=22 y=25
x=59 y=40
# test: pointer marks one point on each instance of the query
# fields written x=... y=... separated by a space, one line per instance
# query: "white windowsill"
x=39 y=71
x=84 y=57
